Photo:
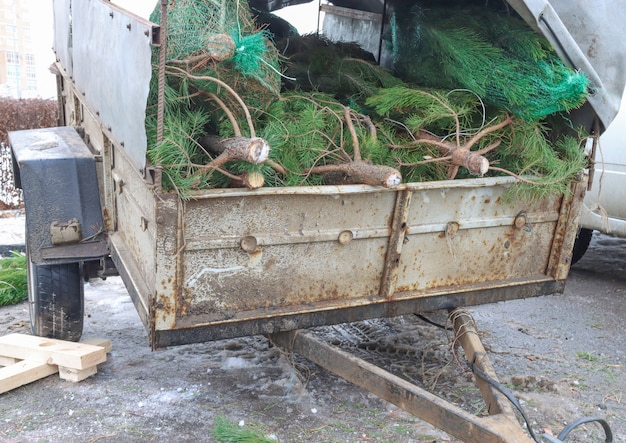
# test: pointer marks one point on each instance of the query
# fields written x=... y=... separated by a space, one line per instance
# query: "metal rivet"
x=249 y=243
x=520 y=220
x=452 y=228
x=345 y=237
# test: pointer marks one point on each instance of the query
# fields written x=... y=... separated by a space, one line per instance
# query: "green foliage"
x=527 y=148
x=422 y=108
x=305 y=131
x=179 y=153
x=13 y=286
x=548 y=164
x=228 y=431
x=473 y=62
x=496 y=56
x=252 y=70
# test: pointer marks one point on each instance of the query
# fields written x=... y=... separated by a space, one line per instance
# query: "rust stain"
x=269 y=263
x=106 y=219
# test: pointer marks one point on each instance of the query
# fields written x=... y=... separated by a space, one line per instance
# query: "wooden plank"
x=6 y=361
x=28 y=358
x=76 y=375
x=56 y=352
x=24 y=372
x=102 y=342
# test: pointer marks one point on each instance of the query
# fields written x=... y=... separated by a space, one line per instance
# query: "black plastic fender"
x=57 y=174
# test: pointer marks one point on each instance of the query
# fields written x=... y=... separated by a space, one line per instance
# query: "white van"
x=604 y=208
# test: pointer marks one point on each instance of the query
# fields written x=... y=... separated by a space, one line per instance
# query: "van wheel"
x=581 y=244
x=56 y=297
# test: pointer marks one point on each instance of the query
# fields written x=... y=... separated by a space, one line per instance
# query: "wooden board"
x=26 y=358
x=55 y=352
x=24 y=372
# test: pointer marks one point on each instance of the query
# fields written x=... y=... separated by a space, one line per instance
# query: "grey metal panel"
x=591 y=37
x=111 y=50
x=272 y=252
x=353 y=26
x=58 y=176
x=62 y=34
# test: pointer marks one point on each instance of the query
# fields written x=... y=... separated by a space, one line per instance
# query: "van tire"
x=583 y=238
x=56 y=300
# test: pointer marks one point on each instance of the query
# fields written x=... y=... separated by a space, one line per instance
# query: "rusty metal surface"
x=234 y=262
x=465 y=236
x=277 y=252
x=567 y=230
x=310 y=248
x=497 y=428
x=301 y=317
x=398 y=236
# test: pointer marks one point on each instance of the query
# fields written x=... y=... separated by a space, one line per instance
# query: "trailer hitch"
x=500 y=426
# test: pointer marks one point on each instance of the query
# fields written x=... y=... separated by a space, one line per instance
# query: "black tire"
x=581 y=244
x=56 y=297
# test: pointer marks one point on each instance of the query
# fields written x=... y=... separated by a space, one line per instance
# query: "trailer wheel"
x=56 y=297
x=583 y=238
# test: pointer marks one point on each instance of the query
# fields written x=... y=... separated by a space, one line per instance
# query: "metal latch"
x=62 y=233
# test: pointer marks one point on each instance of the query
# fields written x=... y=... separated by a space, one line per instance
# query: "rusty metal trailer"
x=274 y=261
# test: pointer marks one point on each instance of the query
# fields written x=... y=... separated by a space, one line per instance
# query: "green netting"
x=496 y=56
x=193 y=24
x=190 y=24
x=218 y=38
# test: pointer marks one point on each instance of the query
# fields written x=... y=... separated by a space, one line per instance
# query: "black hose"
x=607 y=430
x=508 y=394
x=427 y=320
x=608 y=434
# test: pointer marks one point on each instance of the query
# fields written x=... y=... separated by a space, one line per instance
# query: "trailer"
x=227 y=263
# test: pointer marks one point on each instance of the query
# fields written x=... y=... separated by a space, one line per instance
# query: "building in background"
x=25 y=49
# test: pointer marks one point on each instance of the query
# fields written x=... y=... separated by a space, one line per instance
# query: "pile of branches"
x=342 y=119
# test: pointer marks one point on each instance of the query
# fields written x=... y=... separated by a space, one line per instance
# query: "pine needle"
x=496 y=56
x=13 y=280
x=550 y=166
x=228 y=431
x=179 y=153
